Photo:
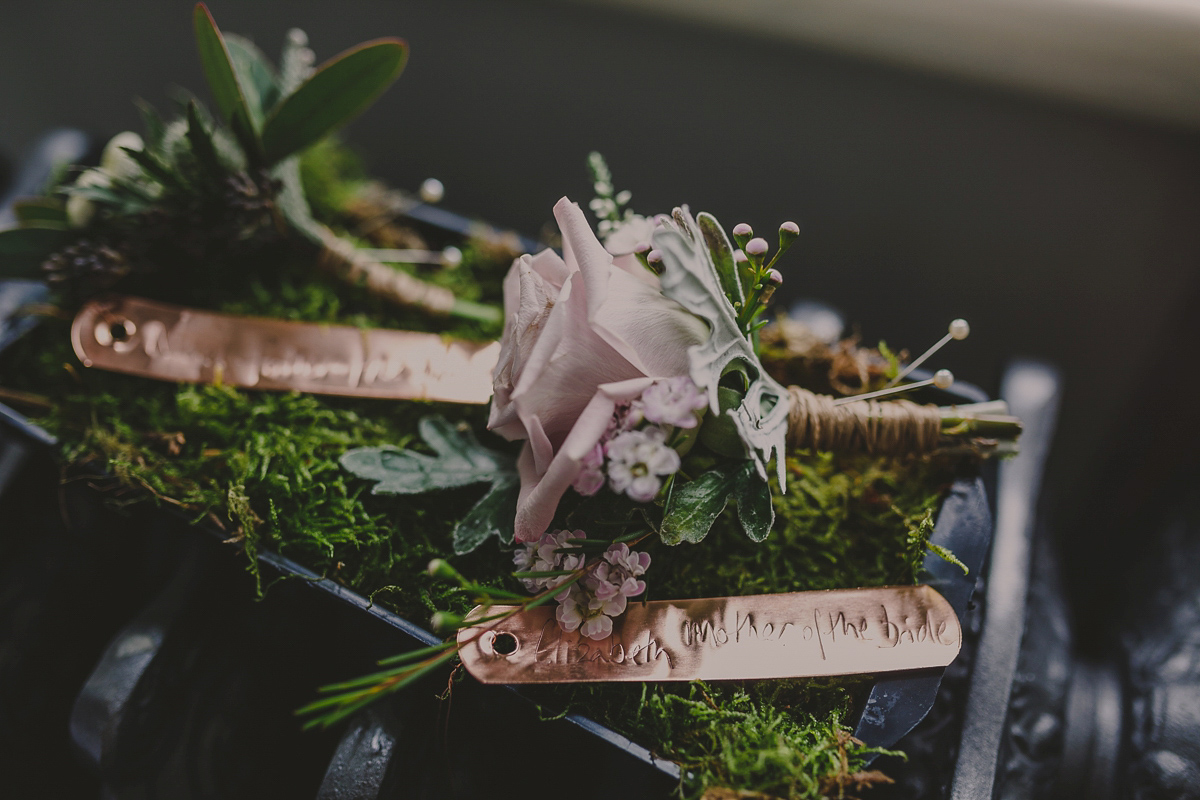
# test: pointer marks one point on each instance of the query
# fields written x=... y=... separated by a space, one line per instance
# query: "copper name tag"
x=803 y=634
x=172 y=343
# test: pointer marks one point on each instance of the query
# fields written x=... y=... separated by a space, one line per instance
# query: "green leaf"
x=41 y=212
x=22 y=250
x=156 y=129
x=256 y=75
x=292 y=203
x=459 y=461
x=153 y=166
x=695 y=506
x=493 y=515
x=722 y=255
x=227 y=91
x=719 y=432
x=338 y=91
x=755 y=512
x=202 y=145
x=893 y=368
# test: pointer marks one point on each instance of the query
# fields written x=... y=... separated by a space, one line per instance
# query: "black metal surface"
x=1032 y=392
x=1031 y=752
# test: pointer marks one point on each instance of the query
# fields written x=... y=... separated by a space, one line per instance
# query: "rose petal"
x=542 y=489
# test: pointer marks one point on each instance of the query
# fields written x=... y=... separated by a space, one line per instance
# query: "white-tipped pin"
x=432 y=191
x=959 y=329
x=942 y=379
x=449 y=257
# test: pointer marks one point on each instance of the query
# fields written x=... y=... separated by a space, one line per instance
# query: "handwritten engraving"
x=769 y=636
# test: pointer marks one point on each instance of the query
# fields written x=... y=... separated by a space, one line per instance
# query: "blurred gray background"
x=1031 y=167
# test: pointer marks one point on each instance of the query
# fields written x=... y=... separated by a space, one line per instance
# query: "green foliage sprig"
x=272 y=125
x=202 y=187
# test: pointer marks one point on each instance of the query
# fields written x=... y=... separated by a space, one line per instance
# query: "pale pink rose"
x=583 y=335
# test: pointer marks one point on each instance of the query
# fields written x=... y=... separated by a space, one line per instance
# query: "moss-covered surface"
x=263 y=468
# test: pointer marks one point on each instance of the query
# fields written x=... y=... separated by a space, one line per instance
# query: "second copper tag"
x=172 y=343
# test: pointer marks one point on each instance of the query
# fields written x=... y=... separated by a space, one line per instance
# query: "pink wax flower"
x=583 y=335
x=673 y=401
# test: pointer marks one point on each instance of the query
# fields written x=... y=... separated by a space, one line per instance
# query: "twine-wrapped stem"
x=896 y=427
x=893 y=427
x=343 y=259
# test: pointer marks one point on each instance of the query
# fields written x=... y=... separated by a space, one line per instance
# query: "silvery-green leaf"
x=690 y=278
x=459 y=461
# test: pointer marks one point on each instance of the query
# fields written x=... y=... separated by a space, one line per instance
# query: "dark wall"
x=1059 y=232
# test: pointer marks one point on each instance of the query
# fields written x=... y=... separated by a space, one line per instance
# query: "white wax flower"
x=637 y=462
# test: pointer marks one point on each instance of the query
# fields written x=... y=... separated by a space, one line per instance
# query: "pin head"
x=943 y=379
x=451 y=257
x=959 y=329
x=432 y=191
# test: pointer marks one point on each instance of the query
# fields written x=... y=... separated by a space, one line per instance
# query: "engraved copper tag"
x=797 y=635
x=172 y=343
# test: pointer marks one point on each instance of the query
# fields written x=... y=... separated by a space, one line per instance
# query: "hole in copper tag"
x=500 y=644
x=110 y=332
x=505 y=644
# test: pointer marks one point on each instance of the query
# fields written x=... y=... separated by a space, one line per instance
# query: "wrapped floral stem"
x=342 y=259
x=886 y=427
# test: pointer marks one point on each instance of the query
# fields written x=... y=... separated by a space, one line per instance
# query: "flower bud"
x=788 y=233
x=654 y=260
x=772 y=282
x=757 y=249
x=116 y=162
x=81 y=209
x=443 y=620
x=440 y=568
x=742 y=233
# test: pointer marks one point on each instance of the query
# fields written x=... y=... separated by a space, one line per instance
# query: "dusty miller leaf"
x=690 y=278
x=459 y=461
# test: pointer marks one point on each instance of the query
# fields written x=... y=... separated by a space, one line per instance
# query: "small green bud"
x=788 y=233
x=654 y=261
x=772 y=282
x=440 y=568
x=444 y=620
